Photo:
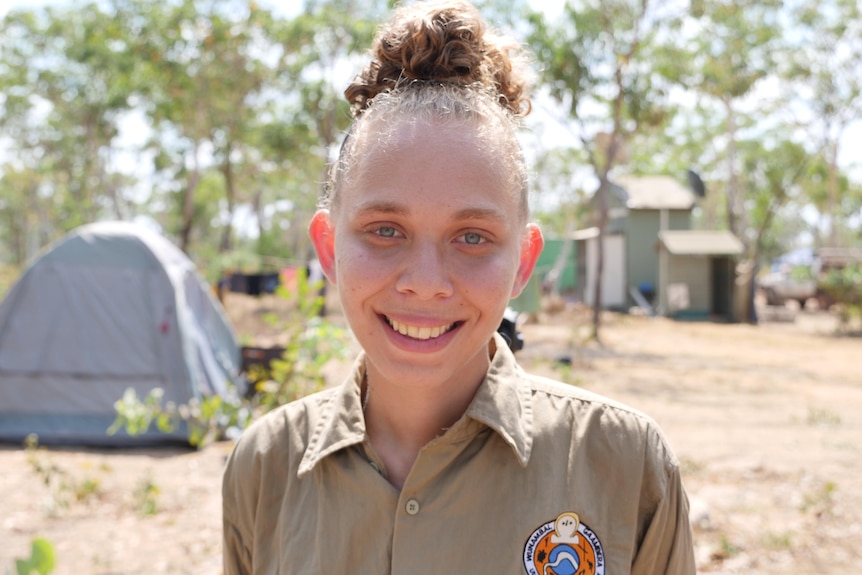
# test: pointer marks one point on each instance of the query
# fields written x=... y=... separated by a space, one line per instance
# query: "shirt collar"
x=341 y=422
x=502 y=402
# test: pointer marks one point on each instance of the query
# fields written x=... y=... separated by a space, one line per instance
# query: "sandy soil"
x=767 y=421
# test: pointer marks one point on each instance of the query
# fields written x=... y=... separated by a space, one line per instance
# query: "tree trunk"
x=230 y=191
x=189 y=202
x=833 y=193
x=602 y=222
x=732 y=181
x=256 y=201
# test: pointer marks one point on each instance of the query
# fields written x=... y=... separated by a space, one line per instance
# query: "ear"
x=531 y=246
x=322 y=235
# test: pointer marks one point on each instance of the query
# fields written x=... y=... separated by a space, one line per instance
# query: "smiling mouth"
x=420 y=333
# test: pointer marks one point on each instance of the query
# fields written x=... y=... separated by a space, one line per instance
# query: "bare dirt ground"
x=767 y=421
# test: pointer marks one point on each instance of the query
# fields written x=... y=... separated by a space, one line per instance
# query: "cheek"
x=350 y=267
x=490 y=280
x=357 y=271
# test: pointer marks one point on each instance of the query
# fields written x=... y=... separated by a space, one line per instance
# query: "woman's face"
x=426 y=246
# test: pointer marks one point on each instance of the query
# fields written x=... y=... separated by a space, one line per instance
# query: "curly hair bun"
x=444 y=42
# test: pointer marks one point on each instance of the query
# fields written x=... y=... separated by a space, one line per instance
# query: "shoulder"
x=592 y=420
x=284 y=432
x=551 y=390
x=563 y=394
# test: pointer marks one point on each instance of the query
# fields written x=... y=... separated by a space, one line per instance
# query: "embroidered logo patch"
x=564 y=546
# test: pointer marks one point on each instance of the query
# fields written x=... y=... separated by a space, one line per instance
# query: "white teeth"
x=421 y=333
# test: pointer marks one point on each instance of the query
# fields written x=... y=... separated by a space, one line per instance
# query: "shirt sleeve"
x=237 y=508
x=667 y=546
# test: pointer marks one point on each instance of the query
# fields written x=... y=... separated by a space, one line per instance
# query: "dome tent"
x=111 y=306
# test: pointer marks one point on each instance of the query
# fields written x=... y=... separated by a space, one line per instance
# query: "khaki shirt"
x=537 y=477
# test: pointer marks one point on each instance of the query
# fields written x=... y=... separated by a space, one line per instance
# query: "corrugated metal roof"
x=584 y=234
x=700 y=242
x=655 y=192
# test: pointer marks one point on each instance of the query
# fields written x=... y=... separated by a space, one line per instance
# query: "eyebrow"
x=399 y=209
x=479 y=214
x=381 y=207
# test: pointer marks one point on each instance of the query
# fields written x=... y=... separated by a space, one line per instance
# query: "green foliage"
x=802 y=273
x=236 y=109
x=779 y=541
x=820 y=501
x=824 y=69
x=597 y=65
x=559 y=207
x=205 y=419
x=727 y=548
x=228 y=90
x=65 y=72
x=822 y=416
x=774 y=169
x=41 y=560
x=312 y=343
x=136 y=416
x=63 y=487
x=146 y=496
x=844 y=287
x=8 y=277
x=845 y=284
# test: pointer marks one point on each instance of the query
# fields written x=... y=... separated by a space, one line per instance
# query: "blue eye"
x=473 y=238
x=386 y=231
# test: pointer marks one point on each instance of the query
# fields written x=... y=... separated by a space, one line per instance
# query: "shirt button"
x=412 y=507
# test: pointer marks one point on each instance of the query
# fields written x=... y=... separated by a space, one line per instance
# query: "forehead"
x=448 y=162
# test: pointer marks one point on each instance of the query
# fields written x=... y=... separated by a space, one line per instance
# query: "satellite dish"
x=696 y=184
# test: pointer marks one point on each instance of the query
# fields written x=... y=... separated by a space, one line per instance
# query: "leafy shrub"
x=63 y=487
x=146 y=496
x=205 y=419
x=844 y=287
x=41 y=560
x=312 y=342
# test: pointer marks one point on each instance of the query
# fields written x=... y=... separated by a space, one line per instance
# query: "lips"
x=421 y=333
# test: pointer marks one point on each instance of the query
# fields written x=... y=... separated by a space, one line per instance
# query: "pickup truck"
x=780 y=287
x=801 y=280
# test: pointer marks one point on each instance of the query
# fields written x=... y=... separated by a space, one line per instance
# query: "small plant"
x=136 y=416
x=41 y=560
x=844 y=286
x=821 y=501
x=779 y=541
x=53 y=476
x=312 y=342
x=726 y=548
x=205 y=419
x=819 y=416
x=62 y=486
x=567 y=373
x=146 y=496
x=86 y=488
x=690 y=466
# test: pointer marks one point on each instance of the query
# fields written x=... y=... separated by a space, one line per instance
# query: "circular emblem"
x=564 y=546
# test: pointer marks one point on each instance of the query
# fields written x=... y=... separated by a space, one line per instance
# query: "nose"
x=425 y=272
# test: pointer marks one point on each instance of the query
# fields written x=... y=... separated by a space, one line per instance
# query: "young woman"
x=439 y=454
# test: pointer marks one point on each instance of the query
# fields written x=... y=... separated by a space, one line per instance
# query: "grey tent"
x=111 y=306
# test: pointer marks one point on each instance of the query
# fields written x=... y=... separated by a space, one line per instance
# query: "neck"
x=402 y=419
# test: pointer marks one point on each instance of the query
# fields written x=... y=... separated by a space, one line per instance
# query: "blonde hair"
x=438 y=61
